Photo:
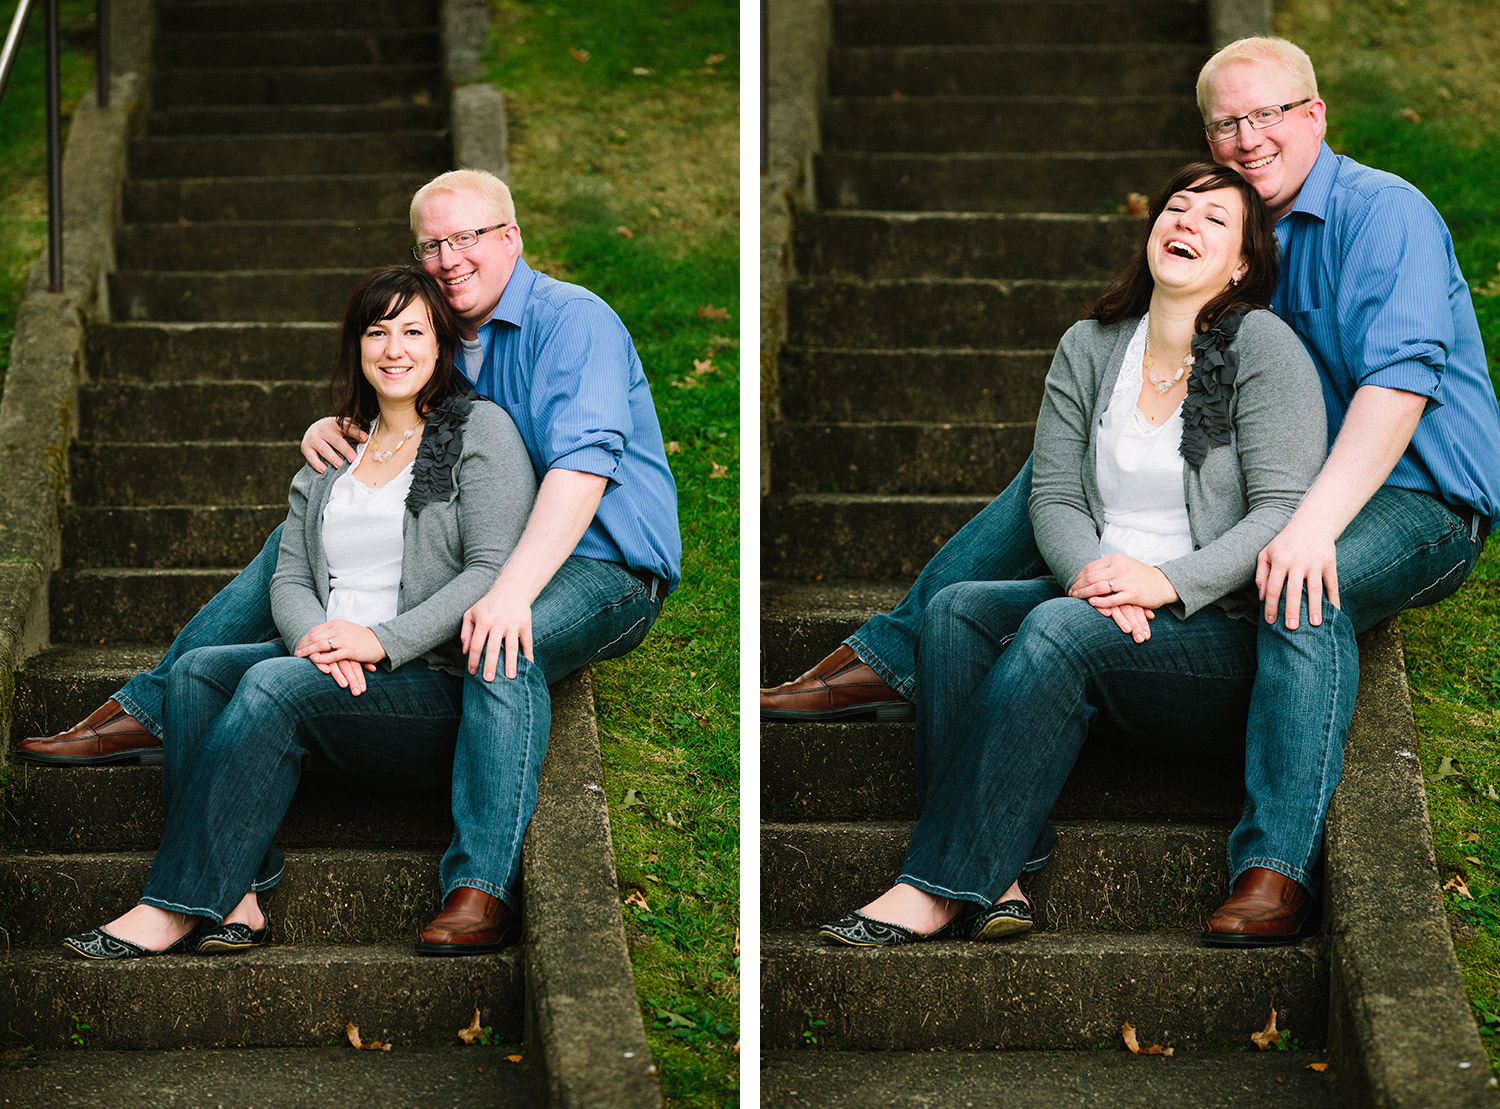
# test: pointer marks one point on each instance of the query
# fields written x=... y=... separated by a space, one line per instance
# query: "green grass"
x=627 y=182
x=1380 y=65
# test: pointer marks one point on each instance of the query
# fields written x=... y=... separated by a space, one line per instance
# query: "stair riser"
x=98 y=606
x=284 y=48
x=288 y=120
x=385 y=197
x=899 y=458
x=192 y=473
x=198 y=247
x=790 y=642
x=167 y=538
x=975 y=69
x=285 y=296
x=207 y=410
x=877 y=22
x=813 y=540
x=1001 y=248
x=288 y=155
x=993 y=182
x=252 y=352
x=191 y=88
x=889 y=387
x=1112 y=878
x=376 y=898
x=918 y=126
x=852 y=772
x=294 y=15
x=244 y=1000
x=1025 y=994
x=948 y=314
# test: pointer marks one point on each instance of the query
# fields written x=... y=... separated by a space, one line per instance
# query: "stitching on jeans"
x=623 y=635
x=1458 y=567
x=938 y=891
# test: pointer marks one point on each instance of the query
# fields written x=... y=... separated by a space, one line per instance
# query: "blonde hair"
x=486 y=186
x=1288 y=56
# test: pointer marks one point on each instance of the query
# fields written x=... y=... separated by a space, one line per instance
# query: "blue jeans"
x=1012 y=674
x=591 y=610
x=1402 y=549
x=243 y=723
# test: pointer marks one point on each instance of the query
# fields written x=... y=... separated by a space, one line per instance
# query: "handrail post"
x=54 y=153
x=101 y=20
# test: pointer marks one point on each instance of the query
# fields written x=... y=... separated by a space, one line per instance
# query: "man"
x=1397 y=516
x=600 y=552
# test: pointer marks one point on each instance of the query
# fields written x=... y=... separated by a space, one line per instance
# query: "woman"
x=378 y=562
x=1180 y=426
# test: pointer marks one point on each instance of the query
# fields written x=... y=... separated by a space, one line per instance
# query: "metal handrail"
x=54 y=111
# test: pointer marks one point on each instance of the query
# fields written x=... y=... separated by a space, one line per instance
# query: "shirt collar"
x=512 y=306
x=1313 y=197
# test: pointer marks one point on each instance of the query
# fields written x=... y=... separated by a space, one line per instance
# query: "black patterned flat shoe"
x=858 y=930
x=225 y=938
x=1009 y=918
x=99 y=944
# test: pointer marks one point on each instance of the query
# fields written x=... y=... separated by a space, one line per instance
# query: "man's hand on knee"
x=1301 y=556
x=498 y=624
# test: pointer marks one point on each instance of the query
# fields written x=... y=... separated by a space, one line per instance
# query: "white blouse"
x=1139 y=468
x=362 y=539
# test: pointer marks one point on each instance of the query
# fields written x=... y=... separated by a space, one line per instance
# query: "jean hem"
x=175 y=907
x=868 y=656
x=1286 y=870
x=483 y=887
x=942 y=891
x=135 y=710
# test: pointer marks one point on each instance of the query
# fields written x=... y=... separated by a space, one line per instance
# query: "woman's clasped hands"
x=1126 y=590
x=343 y=650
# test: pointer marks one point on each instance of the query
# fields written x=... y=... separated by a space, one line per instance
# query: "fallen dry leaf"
x=640 y=71
x=470 y=1034
x=1137 y=205
x=1128 y=1031
x=637 y=899
x=718 y=471
x=1472 y=837
x=674 y=447
x=513 y=1058
x=624 y=232
x=1458 y=885
x=352 y=1031
x=713 y=59
x=579 y=56
x=1319 y=1067
x=1410 y=116
x=1268 y=1035
x=709 y=312
x=703 y=365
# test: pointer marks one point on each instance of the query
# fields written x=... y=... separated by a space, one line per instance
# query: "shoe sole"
x=456 y=949
x=895 y=712
x=152 y=757
x=1004 y=926
x=1237 y=939
x=219 y=947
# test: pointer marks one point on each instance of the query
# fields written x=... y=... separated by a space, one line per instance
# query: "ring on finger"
x=1111 y=583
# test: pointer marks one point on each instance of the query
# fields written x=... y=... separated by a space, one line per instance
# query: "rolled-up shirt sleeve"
x=580 y=391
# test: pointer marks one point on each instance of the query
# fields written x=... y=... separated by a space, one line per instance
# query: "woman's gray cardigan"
x=1237 y=501
x=452 y=549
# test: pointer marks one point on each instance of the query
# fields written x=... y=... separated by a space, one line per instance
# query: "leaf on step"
x=352 y=1031
x=470 y=1034
x=1445 y=769
x=1128 y=1031
x=1268 y=1035
x=638 y=899
x=1319 y=1067
x=513 y=1058
x=1458 y=885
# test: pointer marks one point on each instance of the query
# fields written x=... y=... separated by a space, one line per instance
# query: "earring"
x=1234 y=280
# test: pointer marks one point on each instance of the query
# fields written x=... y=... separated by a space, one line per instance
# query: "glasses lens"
x=423 y=251
x=1221 y=129
x=462 y=240
x=1265 y=117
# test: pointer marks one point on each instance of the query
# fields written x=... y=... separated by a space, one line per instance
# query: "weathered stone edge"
x=584 y=1033
x=1400 y=1027
x=476 y=109
x=38 y=415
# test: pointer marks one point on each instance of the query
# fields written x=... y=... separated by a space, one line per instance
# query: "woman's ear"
x=1239 y=274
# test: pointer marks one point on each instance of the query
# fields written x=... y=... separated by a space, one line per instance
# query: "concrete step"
x=928 y=313
x=1110 y=1076
x=995 y=386
x=900 y=458
x=1109 y=876
x=811 y=536
x=801 y=622
x=220 y=16
x=872 y=22
x=278 y=996
x=167 y=536
x=179 y=410
x=332 y=1075
x=301 y=47
x=420 y=84
x=352 y=197
x=178 y=156
x=262 y=244
x=305 y=295
x=863 y=771
x=286 y=119
x=159 y=352
x=976 y=67
x=951 y=125
x=226 y=473
x=1038 y=182
x=329 y=895
x=1003 y=246
x=1044 y=991
x=129 y=606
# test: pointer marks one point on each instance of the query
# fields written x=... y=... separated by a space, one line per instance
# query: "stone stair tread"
x=290 y=118
x=307 y=197
x=1045 y=1079
x=331 y=1076
x=1068 y=21
x=288 y=155
x=905 y=457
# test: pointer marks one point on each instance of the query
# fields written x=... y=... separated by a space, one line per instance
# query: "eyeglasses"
x=459 y=240
x=1221 y=130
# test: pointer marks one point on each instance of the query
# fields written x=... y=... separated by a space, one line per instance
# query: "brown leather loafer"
x=108 y=735
x=838 y=688
x=1267 y=909
x=472 y=923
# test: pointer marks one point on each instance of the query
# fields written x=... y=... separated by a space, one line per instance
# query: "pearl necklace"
x=1149 y=361
x=385 y=456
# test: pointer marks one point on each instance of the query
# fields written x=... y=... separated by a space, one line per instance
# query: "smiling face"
x=472 y=279
x=1196 y=245
x=398 y=355
x=1275 y=160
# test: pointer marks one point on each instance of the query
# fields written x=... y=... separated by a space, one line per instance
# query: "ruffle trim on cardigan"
x=442 y=444
x=1205 y=411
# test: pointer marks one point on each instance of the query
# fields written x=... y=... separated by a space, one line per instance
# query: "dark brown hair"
x=381 y=294
x=1130 y=293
